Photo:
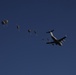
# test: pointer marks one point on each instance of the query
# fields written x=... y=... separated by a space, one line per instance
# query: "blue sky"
x=22 y=53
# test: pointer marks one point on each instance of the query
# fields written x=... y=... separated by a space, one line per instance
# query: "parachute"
x=35 y=32
x=4 y=22
x=29 y=30
x=18 y=27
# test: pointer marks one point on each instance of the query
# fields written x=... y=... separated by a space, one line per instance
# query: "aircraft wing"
x=62 y=39
x=50 y=42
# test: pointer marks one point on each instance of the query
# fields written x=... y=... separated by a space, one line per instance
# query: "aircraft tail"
x=50 y=31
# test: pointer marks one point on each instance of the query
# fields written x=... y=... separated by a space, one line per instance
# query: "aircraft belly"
x=54 y=38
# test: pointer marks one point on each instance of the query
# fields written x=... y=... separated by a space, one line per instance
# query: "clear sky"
x=22 y=53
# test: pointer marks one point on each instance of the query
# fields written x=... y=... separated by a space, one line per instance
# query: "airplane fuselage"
x=56 y=41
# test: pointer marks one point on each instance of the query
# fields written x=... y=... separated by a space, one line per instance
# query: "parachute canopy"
x=35 y=32
x=4 y=22
x=29 y=30
x=18 y=27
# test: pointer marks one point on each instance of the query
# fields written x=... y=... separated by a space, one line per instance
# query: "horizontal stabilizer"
x=50 y=31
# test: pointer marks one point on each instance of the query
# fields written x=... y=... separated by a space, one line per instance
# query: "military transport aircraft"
x=55 y=40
